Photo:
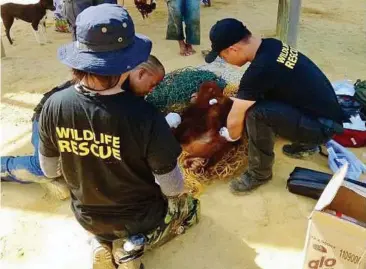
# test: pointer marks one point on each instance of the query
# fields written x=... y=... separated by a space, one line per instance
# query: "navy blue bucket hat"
x=106 y=43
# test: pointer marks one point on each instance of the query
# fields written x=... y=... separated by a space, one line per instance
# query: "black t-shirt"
x=281 y=73
x=37 y=110
x=110 y=146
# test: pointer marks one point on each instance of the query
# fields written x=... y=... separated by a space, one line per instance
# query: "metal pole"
x=282 y=12
x=288 y=17
x=293 y=22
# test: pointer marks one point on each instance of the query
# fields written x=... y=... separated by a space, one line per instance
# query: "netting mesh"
x=174 y=92
x=173 y=95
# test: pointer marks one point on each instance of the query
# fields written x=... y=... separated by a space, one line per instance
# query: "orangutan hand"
x=195 y=163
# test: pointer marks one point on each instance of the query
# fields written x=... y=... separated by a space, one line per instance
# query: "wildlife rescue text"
x=86 y=142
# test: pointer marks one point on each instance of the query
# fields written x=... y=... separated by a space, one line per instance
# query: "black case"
x=311 y=183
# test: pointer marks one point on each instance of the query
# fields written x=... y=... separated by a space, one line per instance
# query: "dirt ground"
x=265 y=229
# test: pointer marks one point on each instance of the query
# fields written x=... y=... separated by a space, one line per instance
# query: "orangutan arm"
x=235 y=119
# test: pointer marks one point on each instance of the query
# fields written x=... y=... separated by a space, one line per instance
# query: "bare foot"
x=190 y=49
x=183 y=48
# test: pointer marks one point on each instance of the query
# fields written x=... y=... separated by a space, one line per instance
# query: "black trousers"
x=266 y=119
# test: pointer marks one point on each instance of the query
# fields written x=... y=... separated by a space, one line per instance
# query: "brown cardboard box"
x=333 y=242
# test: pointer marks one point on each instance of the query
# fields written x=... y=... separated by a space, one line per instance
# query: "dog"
x=32 y=13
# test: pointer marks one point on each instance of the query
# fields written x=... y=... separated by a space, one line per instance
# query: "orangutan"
x=202 y=120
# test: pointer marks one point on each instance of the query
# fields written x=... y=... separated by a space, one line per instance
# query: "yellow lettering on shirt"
x=86 y=142
x=64 y=146
x=83 y=148
x=93 y=150
x=116 y=154
x=88 y=135
x=288 y=56
x=76 y=136
x=105 y=152
x=115 y=143
x=74 y=147
x=63 y=132
x=107 y=139
x=283 y=54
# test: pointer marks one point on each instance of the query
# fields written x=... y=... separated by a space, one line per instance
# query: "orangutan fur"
x=201 y=121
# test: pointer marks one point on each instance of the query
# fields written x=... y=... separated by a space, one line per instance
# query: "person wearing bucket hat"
x=26 y=169
x=115 y=151
x=281 y=93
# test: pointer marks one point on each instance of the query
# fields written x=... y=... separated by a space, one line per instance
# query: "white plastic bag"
x=339 y=155
x=344 y=87
x=356 y=123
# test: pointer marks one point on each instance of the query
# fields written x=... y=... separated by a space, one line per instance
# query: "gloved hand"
x=173 y=119
x=224 y=132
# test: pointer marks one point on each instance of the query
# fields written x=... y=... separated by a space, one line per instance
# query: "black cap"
x=224 y=34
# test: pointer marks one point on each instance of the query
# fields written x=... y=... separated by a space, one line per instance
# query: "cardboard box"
x=333 y=242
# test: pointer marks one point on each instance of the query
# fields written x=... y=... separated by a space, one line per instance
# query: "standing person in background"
x=187 y=11
x=116 y=152
x=72 y=8
x=61 y=24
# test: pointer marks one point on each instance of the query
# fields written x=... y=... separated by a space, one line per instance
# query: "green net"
x=175 y=90
x=173 y=94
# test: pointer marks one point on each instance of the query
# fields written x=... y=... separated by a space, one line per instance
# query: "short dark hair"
x=107 y=82
x=153 y=65
x=246 y=35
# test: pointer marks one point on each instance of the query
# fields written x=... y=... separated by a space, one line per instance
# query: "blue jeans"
x=23 y=169
x=187 y=11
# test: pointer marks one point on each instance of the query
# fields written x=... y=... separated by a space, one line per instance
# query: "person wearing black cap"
x=116 y=151
x=281 y=93
x=25 y=169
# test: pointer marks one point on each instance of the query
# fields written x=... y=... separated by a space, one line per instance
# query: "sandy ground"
x=265 y=229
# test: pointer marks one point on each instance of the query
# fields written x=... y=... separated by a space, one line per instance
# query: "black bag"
x=311 y=183
x=307 y=182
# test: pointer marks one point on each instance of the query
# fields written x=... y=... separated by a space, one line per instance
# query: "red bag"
x=351 y=138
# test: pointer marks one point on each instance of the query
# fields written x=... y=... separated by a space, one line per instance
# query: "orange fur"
x=199 y=131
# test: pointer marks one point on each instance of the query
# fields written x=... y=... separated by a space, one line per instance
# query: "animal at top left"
x=32 y=13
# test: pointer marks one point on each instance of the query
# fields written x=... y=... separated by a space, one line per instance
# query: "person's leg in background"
x=267 y=119
x=61 y=24
x=192 y=23
x=26 y=169
x=175 y=24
